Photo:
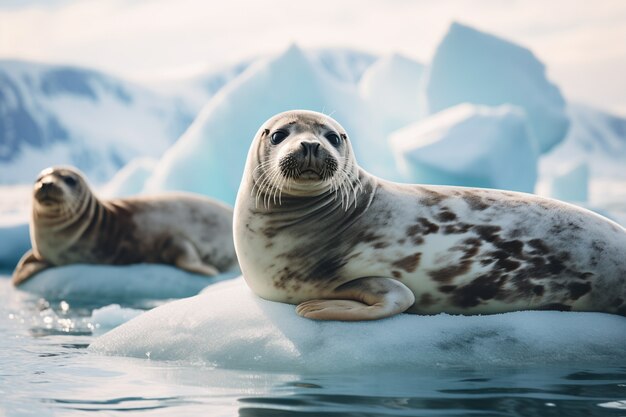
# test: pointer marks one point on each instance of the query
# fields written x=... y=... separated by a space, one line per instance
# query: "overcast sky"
x=583 y=43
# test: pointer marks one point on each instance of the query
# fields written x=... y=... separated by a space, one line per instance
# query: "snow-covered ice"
x=476 y=67
x=391 y=87
x=209 y=158
x=469 y=145
x=228 y=326
x=105 y=284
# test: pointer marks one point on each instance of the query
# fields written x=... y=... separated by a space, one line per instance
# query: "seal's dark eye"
x=278 y=137
x=333 y=138
x=71 y=181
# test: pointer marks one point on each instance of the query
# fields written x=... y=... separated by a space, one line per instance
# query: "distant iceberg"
x=475 y=67
x=391 y=87
x=209 y=158
x=467 y=145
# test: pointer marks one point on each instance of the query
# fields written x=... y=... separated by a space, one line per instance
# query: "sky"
x=582 y=43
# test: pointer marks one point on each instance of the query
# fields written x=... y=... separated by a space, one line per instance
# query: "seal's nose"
x=310 y=148
x=46 y=185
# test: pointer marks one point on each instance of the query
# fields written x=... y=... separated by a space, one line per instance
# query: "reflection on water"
x=46 y=371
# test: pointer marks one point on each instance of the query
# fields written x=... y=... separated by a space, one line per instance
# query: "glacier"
x=54 y=115
x=475 y=67
x=468 y=145
x=227 y=326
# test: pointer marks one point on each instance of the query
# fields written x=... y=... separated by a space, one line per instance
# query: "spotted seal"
x=312 y=228
x=69 y=224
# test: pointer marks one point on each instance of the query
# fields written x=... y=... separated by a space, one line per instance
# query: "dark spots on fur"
x=396 y=274
x=485 y=287
x=445 y=216
x=539 y=246
x=488 y=232
x=447 y=288
x=414 y=233
x=514 y=247
x=578 y=289
x=455 y=229
x=401 y=241
x=474 y=202
x=381 y=245
x=507 y=264
x=555 y=266
x=555 y=307
x=538 y=290
x=428 y=227
x=448 y=273
x=426 y=300
x=408 y=263
x=487 y=261
x=430 y=198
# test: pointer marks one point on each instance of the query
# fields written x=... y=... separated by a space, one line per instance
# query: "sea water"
x=47 y=370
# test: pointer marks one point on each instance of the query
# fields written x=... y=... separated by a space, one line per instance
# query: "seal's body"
x=312 y=228
x=69 y=224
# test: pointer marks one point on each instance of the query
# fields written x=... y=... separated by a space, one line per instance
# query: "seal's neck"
x=296 y=204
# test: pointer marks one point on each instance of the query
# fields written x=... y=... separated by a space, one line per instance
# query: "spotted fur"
x=459 y=250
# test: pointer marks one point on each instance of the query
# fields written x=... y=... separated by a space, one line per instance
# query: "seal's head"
x=59 y=189
x=301 y=153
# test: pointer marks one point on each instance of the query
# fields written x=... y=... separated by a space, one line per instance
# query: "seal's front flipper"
x=28 y=266
x=361 y=299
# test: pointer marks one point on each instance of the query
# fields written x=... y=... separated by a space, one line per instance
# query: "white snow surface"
x=210 y=157
x=469 y=145
x=228 y=326
x=475 y=67
x=391 y=87
x=105 y=284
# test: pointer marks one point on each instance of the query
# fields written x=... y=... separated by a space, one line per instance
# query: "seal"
x=69 y=225
x=312 y=228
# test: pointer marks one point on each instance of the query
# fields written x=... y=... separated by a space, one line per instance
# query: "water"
x=45 y=370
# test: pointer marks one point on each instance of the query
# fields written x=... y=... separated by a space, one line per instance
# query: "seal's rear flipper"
x=28 y=266
x=362 y=299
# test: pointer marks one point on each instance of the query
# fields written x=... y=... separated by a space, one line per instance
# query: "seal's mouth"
x=48 y=194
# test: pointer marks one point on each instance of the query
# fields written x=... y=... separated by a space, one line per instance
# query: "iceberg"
x=475 y=67
x=571 y=184
x=209 y=158
x=391 y=87
x=131 y=179
x=468 y=145
x=228 y=326
x=596 y=138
